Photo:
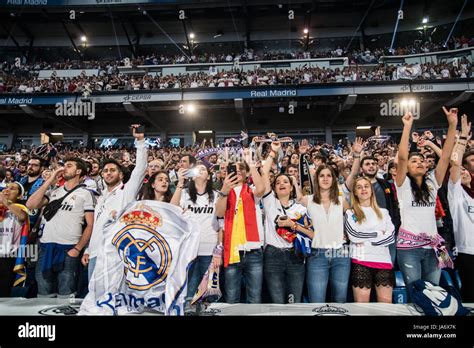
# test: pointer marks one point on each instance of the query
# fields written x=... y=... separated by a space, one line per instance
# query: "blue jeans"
x=392 y=248
x=325 y=266
x=284 y=274
x=91 y=267
x=195 y=274
x=418 y=264
x=62 y=283
x=250 y=268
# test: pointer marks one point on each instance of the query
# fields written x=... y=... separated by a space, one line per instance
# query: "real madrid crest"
x=144 y=251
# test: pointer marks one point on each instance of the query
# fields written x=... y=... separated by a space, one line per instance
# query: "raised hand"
x=358 y=146
x=229 y=183
x=428 y=135
x=465 y=126
x=451 y=115
x=407 y=119
x=182 y=175
x=276 y=146
x=248 y=157
x=138 y=136
x=304 y=145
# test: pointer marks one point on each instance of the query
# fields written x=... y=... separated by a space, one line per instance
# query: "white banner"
x=144 y=262
x=410 y=72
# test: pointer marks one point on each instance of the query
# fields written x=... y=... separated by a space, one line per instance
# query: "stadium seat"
x=399 y=290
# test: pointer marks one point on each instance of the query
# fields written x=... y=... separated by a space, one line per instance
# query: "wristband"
x=218 y=250
x=77 y=249
x=222 y=194
x=462 y=138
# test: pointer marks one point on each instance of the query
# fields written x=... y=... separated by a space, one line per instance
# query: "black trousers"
x=7 y=276
x=465 y=266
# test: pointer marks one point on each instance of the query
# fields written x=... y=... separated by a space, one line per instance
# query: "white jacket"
x=110 y=204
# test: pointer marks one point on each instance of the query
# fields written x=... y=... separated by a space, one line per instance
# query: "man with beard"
x=22 y=166
x=65 y=231
x=115 y=197
x=95 y=174
x=32 y=182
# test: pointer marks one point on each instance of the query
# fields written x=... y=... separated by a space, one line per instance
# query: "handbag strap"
x=60 y=200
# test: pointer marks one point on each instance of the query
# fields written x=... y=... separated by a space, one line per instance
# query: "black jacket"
x=391 y=202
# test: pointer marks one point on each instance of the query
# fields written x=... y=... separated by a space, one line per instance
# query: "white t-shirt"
x=273 y=208
x=10 y=234
x=204 y=214
x=328 y=228
x=445 y=73
x=418 y=217
x=67 y=224
x=258 y=212
x=461 y=206
x=371 y=238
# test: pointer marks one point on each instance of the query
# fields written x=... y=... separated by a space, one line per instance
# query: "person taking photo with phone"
x=116 y=196
x=243 y=230
x=200 y=199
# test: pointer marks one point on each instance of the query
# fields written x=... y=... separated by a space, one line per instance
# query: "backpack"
x=435 y=300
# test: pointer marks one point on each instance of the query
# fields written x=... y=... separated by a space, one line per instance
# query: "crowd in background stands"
x=348 y=191
x=356 y=56
x=109 y=80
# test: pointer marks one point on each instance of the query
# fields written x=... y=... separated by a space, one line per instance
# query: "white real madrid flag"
x=143 y=264
x=409 y=72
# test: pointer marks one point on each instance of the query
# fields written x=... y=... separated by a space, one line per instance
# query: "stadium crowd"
x=109 y=80
x=316 y=214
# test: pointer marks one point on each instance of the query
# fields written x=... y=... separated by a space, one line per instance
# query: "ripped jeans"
x=418 y=264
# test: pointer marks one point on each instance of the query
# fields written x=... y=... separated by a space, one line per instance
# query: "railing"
x=431 y=57
x=177 y=69
x=292 y=64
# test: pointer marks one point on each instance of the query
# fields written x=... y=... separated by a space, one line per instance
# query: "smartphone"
x=231 y=169
x=191 y=173
x=140 y=129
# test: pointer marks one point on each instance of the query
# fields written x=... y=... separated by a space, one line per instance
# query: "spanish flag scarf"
x=240 y=225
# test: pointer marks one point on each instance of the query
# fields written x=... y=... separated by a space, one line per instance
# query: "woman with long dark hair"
x=420 y=250
x=288 y=234
x=158 y=187
x=329 y=262
x=200 y=199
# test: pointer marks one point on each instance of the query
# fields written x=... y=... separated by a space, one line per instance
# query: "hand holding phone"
x=138 y=131
x=192 y=173
x=232 y=169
